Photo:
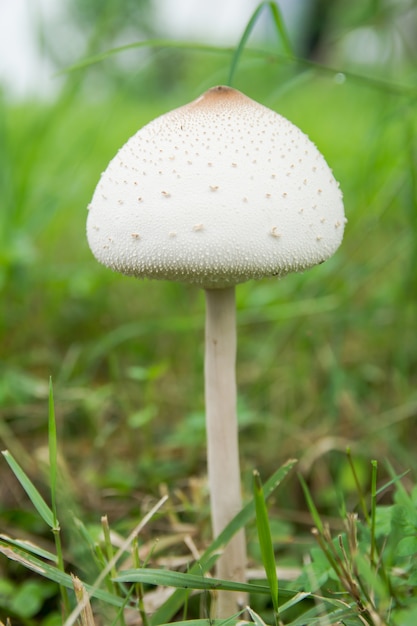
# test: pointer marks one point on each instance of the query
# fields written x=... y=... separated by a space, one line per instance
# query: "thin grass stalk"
x=139 y=586
x=373 y=510
x=53 y=477
x=323 y=543
x=101 y=561
x=324 y=539
x=108 y=544
x=377 y=562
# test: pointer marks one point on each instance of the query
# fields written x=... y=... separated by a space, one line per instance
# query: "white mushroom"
x=217 y=192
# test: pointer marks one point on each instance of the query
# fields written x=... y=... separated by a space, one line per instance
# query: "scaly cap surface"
x=217 y=192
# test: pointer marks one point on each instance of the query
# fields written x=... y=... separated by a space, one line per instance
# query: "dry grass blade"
x=83 y=602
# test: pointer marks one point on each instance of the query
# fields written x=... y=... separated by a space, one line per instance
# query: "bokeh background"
x=327 y=359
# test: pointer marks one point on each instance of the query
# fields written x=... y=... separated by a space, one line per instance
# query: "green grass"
x=327 y=360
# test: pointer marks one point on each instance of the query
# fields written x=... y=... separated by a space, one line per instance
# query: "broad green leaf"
x=407 y=546
x=29 y=597
x=406 y=616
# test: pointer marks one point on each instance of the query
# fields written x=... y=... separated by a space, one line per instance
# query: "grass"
x=327 y=361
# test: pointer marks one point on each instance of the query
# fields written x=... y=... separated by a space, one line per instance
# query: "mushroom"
x=215 y=193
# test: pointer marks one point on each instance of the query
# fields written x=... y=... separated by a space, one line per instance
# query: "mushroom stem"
x=222 y=440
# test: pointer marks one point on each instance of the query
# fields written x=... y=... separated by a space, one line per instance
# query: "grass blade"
x=279 y=26
x=28 y=546
x=181 y=45
x=167 y=578
x=256 y=619
x=358 y=486
x=56 y=575
x=35 y=497
x=298 y=597
x=247 y=513
x=394 y=481
x=370 y=81
x=312 y=507
x=265 y=540
x=148 y=43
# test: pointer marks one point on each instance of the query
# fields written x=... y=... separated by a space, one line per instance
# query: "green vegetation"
x=327 y=360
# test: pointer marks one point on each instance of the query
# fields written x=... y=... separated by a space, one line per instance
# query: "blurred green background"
x=327 y=359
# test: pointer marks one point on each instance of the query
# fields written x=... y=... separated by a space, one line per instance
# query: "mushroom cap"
x=214 y=193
